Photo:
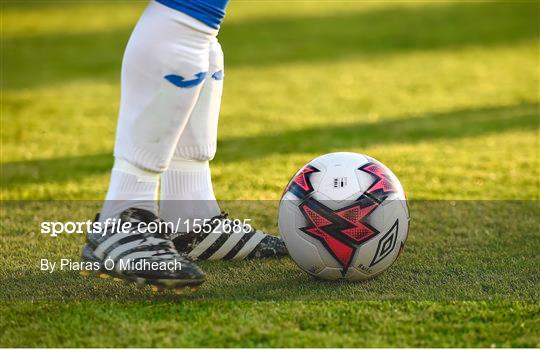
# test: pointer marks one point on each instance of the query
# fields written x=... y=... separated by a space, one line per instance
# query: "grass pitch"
x=446 y=94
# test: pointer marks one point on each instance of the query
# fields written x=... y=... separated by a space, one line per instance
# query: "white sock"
x=187 y=192
x=186 y=186
x=130 y=187
x=165 y=65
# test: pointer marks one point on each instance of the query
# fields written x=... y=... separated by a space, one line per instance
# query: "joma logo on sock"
x=180 y=81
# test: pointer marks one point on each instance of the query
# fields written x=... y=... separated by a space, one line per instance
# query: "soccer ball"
x=344 y=216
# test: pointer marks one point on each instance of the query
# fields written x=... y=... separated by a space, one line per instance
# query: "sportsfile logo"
x=113 y=225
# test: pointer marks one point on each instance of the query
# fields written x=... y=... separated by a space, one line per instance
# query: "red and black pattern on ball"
x=383 y=185
x=356 y=215
x=340 y=231
x=300 y=185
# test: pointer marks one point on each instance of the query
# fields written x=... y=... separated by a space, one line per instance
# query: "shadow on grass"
x=439 y=126
x=47 y=59
x=320 y=140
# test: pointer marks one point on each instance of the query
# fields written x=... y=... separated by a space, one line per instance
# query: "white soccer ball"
x=344 y=216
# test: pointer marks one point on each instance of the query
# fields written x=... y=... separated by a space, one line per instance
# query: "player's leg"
x=186 y=187
x=164 y=65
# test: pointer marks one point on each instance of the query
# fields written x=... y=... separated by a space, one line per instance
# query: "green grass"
x=444 y=93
